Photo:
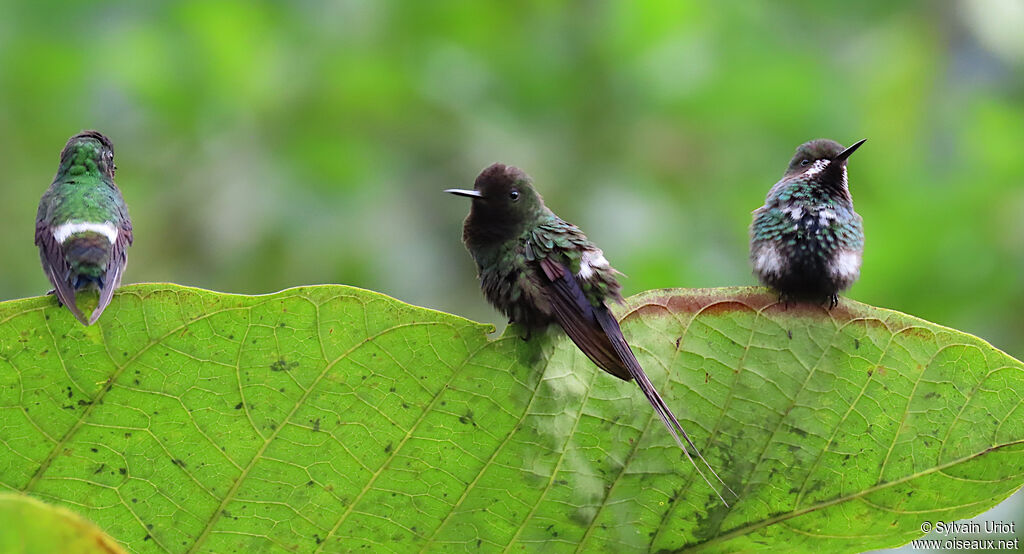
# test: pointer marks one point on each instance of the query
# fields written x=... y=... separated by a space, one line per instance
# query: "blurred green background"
x=263 y=145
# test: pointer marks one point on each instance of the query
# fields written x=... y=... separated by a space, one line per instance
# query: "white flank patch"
x=824 y=216
x=846 y=265
x=768 y=259
x=795 y=212
x=588 y=261
x=62 y=232
x=846 y=180
x=817 y=168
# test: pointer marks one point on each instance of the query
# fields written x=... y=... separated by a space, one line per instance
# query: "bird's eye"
x=805 y=162
x=514 y=195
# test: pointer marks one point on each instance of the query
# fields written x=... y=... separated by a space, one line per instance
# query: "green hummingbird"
x=806 y=241
x=538 y=269
x=82 y=226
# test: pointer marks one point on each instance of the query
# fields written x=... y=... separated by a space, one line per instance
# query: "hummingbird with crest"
x=806 y=241
x=538 y=269
x=82 y=226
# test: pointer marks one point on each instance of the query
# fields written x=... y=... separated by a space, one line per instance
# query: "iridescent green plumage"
x=539 y=269
x=806 y=241
x=82 y=225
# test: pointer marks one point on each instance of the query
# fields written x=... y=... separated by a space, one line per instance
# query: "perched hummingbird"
x=82 y=226
x=538 y=269
x=806 y=241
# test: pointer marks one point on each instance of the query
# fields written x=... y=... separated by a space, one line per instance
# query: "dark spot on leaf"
x=404 y=405
x=678 y=340
x=282 y=365
x=388 y=448
x=317 y=539
x=135 y=500
x=238 y=406
x=799 y=431
x=789 y=333
x=856 y=343
x=931 y=395
x=84 y=402
x=467 y=418
x=178 y=462
x=135 y=382
x=93 y=450
x=870 y=372
x=70 y=394
x=123 y=471
x=392 y=389
x=230 y=337
x=226 y=513
x=149 y=526
x=147 y=537
x=309 y=483
x=99 y=469
x=316 y=425
x=479 y=542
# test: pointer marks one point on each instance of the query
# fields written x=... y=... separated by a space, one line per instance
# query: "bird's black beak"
x=465 y=192
x=846 y=153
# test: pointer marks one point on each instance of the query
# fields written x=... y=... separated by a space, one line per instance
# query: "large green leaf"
x=28 y=526
x=330 y=418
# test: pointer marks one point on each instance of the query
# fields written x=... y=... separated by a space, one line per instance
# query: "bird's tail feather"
x=611 y=329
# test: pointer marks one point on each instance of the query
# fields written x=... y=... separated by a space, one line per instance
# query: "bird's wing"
x=116 y=263
x=57 y=268
x=578 y=317
x=596 y=332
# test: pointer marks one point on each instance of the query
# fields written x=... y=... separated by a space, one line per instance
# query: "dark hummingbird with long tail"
x=538 y=269
x=82 y=226
x=806 y=241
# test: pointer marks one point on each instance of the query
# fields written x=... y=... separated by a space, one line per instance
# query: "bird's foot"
x=785 y=300
x=833 y=301
x=53 y=292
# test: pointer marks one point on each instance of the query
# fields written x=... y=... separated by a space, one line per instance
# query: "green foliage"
x=248 y=132
x=32 y=527
x=330 y=418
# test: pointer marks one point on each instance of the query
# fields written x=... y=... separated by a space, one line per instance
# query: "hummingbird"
x=806 y=241
x=538 y=269
x=82 y=226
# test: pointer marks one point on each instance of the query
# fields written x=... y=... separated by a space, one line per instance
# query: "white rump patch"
x=846 y=265
x=107 y=229
x=768 y=259
x=588 y=261
x=817 y=168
